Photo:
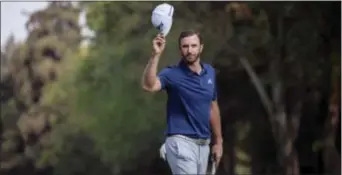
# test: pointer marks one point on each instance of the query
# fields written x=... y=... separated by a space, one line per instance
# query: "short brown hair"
x=187 y=33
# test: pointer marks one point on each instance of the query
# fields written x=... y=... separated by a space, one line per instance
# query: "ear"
x=201 y=47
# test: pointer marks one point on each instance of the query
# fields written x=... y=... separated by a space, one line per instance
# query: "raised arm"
x=150 y=81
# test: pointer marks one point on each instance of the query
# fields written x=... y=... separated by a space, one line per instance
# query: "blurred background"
x=71 y=102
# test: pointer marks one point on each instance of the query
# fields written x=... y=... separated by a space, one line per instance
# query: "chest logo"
x=210 y=81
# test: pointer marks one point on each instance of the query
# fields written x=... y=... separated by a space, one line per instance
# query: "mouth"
x=190 y=57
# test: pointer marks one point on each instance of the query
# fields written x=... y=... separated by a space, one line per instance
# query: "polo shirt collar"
x=185 y=67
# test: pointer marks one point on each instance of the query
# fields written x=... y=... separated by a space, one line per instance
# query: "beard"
x=191 y=59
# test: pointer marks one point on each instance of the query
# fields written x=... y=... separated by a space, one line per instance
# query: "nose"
x=191 y=50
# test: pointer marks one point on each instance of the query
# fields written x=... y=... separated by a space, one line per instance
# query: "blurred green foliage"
x=99 y=121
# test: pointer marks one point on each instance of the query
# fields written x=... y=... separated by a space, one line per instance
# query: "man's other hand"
x=217 y=152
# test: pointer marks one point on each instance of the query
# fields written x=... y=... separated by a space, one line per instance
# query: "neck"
x=196 y=67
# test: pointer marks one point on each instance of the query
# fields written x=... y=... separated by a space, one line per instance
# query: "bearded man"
x=192 y=110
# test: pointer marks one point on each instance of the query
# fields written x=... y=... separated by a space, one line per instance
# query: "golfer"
x=192 y=109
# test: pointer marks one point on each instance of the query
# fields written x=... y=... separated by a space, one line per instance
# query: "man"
x=192 y=109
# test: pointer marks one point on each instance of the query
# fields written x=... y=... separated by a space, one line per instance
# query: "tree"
x=53 y=33
x=285 y=116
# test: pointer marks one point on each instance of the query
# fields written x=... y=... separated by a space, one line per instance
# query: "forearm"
x=215 y=121
x=149 y=77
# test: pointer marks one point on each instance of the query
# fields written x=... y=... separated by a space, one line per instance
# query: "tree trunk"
x=284 y=130
x=287 y=123
x=284 y=126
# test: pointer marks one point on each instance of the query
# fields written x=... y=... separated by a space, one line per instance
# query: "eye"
x=185 y=46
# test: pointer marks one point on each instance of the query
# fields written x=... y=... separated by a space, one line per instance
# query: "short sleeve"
x=215 y=86
x=215 y=93
x=164 y=77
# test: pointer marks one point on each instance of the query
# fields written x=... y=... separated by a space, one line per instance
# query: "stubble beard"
x=191 y=62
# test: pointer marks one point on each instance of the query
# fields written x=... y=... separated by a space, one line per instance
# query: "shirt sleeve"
x=164 y=77
x=215 y=93
x=215 y=86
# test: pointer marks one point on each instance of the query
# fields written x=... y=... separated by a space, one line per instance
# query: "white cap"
x=162 y=18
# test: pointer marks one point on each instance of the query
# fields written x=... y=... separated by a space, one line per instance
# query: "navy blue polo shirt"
x=189 y=99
